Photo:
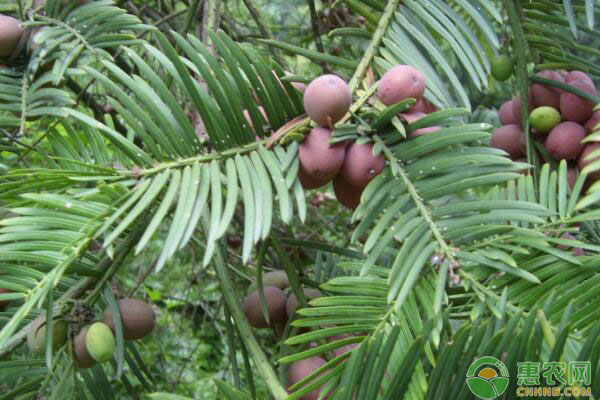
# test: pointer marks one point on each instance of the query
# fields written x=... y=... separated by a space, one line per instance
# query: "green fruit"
x=100 y=342
x=36 y=337
x=543 y=119
x=502 y=68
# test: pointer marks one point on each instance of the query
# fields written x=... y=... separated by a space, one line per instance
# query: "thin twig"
x=264 y=30
x=314 y=21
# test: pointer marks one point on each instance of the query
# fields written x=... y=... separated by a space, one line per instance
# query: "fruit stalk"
x=373 y=48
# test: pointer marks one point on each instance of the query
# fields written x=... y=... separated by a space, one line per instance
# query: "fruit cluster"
x=280 y=306
x=351 y=166
x=280 y=309
x=95 y=342
x=559 y=119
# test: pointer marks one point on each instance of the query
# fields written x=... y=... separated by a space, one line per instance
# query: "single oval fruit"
x=424 y=106
x=577 y=75
x=308 y=182
x=4 y=303
x=506 y=115
x=507 y=138
x=100 y=342
x=300 y=369
x=564 y=141
x=415 y=116
x=327 y=99
x=361 y=165
x=399 y=83
x=502 y=67
x=543 y=119
x=583 y=161
x=343 y=349
x=547 y=95
x=10 y=35
x=137 y=318
x=347 y=194
x=291 y=303
x=275 y=299
x=575 y=108
x=278 y=279
x=81 y=355
x=318 y=158
x=516 y=102
x=592 y=123
x=36 y=336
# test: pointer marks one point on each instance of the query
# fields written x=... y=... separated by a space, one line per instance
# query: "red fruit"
x=547 y=95
x=344 y=349
x=10 y=35
x=506 y=115
x=423 y=106
x=347 y=194
x=507 y=138
x=576 y=75
x=583 y=160
x=399 y=83
x=517 y=107
x=292 y=301
x=564 y=141
x=575 y=108
x=591 y=123
x=300 y=369
x=361 y=165
x=319 y=159
x=327 y=99
x=308 y=182
x=415 y=116
x=275 y=299
x=572 y=175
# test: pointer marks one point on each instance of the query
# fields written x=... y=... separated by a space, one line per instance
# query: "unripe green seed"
x=544 y=118
x=36 y=337
x=100 y=342
x=502 y=68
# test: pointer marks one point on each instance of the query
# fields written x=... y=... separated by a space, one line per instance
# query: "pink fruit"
x=517 y=107
x=423 y=106
x=300 y=369
x=546 y=95
x=591 y=123
x=327 y=99
x=292 y=301
x=319 y=159
x=308 y=182
x=506 y=115
x=399 y=83
x=361 y=165
x=275 y=299
x=507 y=138
x=347 y=194
x=564 y=141
x=576 y=75
x=572 y=174
x=575 y=108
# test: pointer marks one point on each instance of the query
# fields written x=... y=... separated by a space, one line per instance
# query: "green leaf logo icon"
x=487 y=378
